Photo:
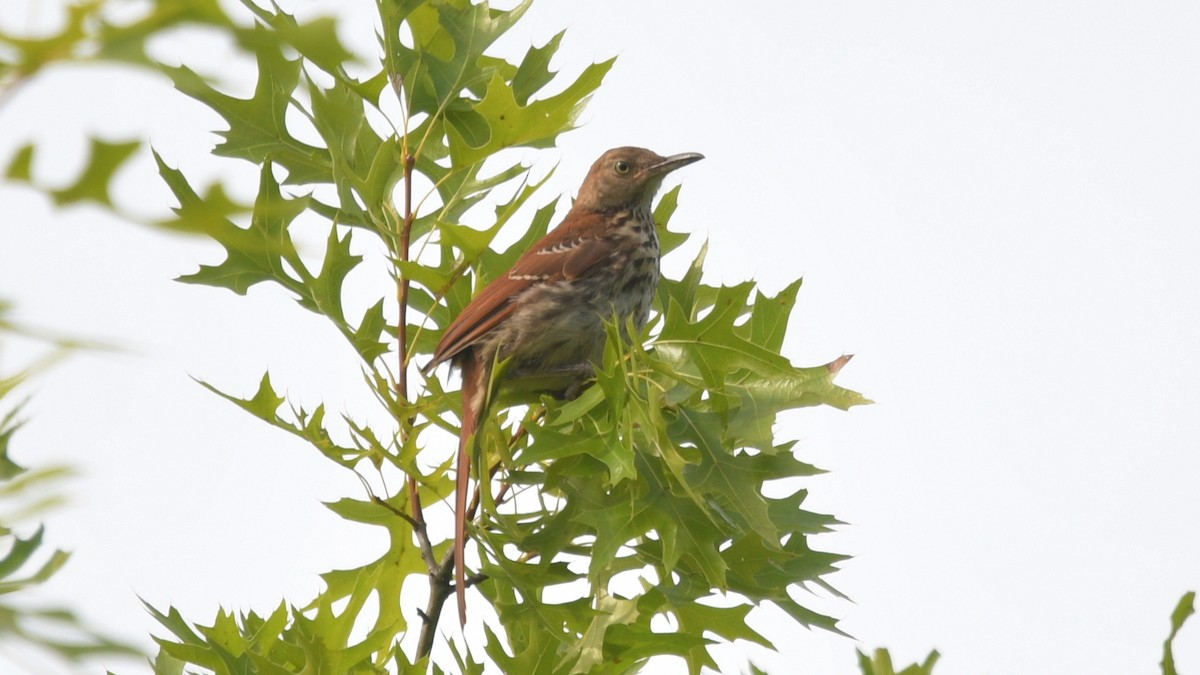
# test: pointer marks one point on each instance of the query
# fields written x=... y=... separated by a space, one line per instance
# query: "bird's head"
x=628 y=178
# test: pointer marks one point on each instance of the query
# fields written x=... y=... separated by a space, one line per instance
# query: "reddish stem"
x=402 y=329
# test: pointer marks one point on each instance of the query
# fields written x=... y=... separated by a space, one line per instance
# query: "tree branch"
x=441 y=588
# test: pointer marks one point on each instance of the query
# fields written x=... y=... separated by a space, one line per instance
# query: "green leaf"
x=324 y=291
x=769 y=318
x=253 y=254
x=733 y=480
x=365 y=167
x=695 y=618
x=712 y=342
x=207 y=215
x=668 y=240
x=366 y=337
x=9 y=426
x=551 y=444
x=688 y=293
x=382 y=578
x=449 y=39
x=1184 y=609
x=28 y=55
x=510 y=124
x=534 y=71
x=20 y=168
x=589 y=652
x=317 y=40
x=748 y=381
x=257 y=126
x=93 y=183
x=881 y=664
x=19 y=553
x=125 y=41
x=264 y=404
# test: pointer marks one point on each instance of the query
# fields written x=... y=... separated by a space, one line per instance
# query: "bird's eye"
x=622 y=167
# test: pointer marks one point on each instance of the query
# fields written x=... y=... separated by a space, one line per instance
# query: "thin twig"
x=402 y=329
x=420 y=531
x=441 y=588
x=439 y=574
x=410 y=161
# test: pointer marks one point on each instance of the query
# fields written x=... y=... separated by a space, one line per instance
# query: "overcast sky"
x=993 y=205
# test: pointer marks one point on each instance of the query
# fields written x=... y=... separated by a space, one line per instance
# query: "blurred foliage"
x=880 y=663
x=26 y=495
x=88 y=32
x=1183 y=610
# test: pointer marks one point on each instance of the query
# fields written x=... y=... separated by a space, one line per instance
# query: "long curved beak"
x=673 y=162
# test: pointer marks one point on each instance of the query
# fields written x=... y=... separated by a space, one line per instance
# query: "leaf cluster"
x=661 y=474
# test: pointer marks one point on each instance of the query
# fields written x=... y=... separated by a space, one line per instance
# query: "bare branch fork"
x=441 y=573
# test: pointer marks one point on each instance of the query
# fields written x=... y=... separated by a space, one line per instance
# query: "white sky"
x=994 y=206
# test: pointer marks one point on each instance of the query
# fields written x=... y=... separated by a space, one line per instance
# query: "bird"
x=545 y=317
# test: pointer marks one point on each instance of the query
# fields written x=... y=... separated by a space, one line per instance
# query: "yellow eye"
x=622 y=167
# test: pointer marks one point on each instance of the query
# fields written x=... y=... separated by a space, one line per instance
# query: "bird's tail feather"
x=474 y=393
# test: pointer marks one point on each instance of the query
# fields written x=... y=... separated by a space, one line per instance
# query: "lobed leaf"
x=257 y=126
x=498 y=121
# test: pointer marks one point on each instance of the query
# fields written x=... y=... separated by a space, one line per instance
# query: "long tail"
x=474 y=393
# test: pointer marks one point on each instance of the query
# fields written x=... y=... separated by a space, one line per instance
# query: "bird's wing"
x=485 y=312
x=567 y=252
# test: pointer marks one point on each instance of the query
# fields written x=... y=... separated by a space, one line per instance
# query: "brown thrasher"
x=546 y=315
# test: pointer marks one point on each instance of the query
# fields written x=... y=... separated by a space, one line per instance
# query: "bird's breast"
x=562 y=321
x=635 y=273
